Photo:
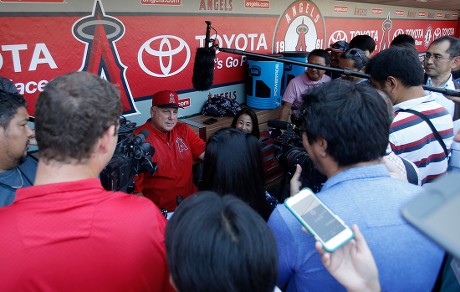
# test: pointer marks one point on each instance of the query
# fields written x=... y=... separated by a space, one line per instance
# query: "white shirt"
x=440 y=98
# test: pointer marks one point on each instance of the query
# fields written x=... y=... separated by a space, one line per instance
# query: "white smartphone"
x=321 y=222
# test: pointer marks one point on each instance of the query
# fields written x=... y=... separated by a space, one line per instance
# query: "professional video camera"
x=132 y=156
x=289 y=151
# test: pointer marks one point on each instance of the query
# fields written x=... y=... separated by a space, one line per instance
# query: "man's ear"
x=105 y=142
x=322 y=143
x=456 y=62
x=392 y=83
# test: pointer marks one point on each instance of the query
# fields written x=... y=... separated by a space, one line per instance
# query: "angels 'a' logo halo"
x=300 y=28
x=171 y=98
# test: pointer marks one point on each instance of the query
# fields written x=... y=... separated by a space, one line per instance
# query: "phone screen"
x=325 y=225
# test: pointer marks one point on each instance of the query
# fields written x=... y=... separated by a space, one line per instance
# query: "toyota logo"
x=338 y=35
x=164 y=56
x=437 y=33
x=398 y=32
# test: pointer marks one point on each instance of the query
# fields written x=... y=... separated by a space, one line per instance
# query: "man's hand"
x=352 y=265
x=295 y=181
x=393 y=169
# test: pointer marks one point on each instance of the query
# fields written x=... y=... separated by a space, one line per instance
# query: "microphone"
x=139 y=138
x=203 y=68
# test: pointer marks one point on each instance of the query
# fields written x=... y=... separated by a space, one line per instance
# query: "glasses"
x=357 y=54
x=436 y=57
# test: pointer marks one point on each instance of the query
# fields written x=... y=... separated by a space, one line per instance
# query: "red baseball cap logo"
x=166 y=98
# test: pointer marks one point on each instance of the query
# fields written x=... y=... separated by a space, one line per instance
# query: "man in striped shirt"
x=397 y=72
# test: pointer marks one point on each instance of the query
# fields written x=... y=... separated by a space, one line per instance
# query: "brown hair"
x=72 y=112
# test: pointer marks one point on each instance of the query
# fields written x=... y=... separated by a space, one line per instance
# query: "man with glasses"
x=421 y=130
x=442 y=56
x=313 y=77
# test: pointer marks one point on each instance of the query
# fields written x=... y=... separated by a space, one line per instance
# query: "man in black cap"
x=336 y=50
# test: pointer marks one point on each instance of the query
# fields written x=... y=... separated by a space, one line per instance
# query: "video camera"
x=131 y=157
x=289 y=151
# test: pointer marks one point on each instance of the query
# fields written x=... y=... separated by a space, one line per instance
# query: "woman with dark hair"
x=219 y=243
x=233 y=165
x=246 y=120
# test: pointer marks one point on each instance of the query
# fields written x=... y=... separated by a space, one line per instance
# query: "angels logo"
x=428 y=36
x=387 y=24
x=100 y=32
x=181 y=146
x=171 y=98
x=300 y=28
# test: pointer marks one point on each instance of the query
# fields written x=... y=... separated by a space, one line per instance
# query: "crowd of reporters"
x=64 y=231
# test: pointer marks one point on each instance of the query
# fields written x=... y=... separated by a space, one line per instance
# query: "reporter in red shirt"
x=66 y=233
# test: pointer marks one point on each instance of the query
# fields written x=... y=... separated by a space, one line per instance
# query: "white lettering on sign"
x=416 y=33
x=276 y=81
x=235 y=62
x=448 y=31
x=41 y=55
x=185 y=102
x=372 y=33
x=31 y=86
x=14 y=49
x=229 y=94
x=302 y=9
x=250 y=41
x=340 y=9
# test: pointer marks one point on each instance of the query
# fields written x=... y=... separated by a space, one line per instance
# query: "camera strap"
x=433 y=129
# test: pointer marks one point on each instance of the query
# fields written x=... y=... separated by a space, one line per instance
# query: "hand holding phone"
x=321 y=222
x=353 y=264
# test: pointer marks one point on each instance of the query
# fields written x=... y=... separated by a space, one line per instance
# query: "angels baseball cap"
x=166 y=98
x=338 y=47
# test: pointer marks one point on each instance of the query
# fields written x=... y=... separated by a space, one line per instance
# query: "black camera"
x=131 y=157
x=289 y=151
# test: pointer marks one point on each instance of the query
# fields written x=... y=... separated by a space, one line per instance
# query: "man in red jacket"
x=176 y=148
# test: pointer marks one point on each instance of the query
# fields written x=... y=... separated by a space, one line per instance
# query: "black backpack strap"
x=433 y=129
x=411 y=174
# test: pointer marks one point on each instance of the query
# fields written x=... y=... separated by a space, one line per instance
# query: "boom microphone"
x=203 y=68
